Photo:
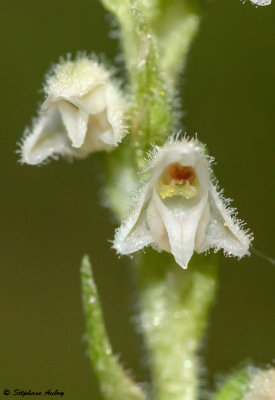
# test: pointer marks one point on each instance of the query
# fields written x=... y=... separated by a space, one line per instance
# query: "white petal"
x=202 y=226
x=75 y=121
x=115 y=108
x=223 y=231
x=182 y=227
x=47 y=138
x=93 y=102
x=99 y=134
x=134 y=234
x=108 y=138
x=157 y=227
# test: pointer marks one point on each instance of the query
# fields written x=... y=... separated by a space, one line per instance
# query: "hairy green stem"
x=155 y=37
x=174 y=25
x=174 y=306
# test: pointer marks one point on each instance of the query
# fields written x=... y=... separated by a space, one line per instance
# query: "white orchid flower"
x=262 y=386
x=261 y=2
x=179 y=209
x=82 y=113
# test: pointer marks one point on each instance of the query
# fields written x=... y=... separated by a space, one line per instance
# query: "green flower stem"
x=155 y=37
x=120 y=178
x=235 y=387
x=174 y=306
x=113 y=381
x=174 y=25
x=122 y=10
x=151 y=115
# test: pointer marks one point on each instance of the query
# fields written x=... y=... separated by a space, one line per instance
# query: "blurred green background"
x=51 y=215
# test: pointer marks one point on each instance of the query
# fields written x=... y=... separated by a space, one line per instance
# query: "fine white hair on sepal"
x=83 y=112
x=179 y=208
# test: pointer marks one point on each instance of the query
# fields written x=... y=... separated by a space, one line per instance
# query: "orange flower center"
x=178 y=174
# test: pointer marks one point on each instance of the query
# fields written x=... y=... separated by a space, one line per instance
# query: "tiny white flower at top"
x=179 y=209
x=83 y=112
x=261 y=2
x=262 y=386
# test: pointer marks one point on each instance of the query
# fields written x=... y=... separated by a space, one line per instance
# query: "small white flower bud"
x=179 y=210
x=82 y=113
x=262 y=386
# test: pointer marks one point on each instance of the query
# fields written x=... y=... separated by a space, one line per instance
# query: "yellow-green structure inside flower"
x=178 y=180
